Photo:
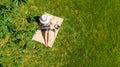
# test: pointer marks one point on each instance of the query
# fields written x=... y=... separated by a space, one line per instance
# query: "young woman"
x=46 y=29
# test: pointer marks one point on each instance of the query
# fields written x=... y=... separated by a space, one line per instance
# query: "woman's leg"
x=51 y=38
x=46 y=38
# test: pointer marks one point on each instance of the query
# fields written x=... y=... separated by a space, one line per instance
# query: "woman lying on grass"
x=48 y=29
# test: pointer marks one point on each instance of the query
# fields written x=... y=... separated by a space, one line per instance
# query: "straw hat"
x=44 y=19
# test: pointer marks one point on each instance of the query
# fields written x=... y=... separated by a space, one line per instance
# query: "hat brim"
x=45 y=22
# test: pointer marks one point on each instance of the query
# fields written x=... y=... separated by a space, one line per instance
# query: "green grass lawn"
x=88 y=37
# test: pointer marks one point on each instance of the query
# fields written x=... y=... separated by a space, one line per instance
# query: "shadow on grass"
x=32 y=18
x=36 y=18
x=1 y=65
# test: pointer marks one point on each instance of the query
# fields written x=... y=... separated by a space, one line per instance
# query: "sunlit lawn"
x=88 y=37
